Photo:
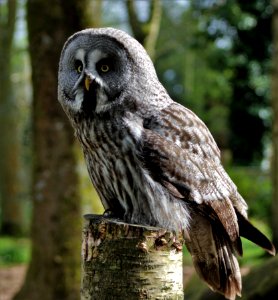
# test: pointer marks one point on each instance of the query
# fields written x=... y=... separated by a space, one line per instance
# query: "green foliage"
x=246 y=28
x=14 y=251
x=252 y=254
x=193 y=69
x=215 y=58
x=255 y=187
x=91 y=203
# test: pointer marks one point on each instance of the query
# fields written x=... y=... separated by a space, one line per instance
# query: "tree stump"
x=126 y=261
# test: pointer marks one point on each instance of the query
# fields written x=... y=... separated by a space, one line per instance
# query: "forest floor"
x=11 y=279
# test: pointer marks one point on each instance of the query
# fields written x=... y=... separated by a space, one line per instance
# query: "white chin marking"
x=76 y=104
x=135 y=125
x=101 y=101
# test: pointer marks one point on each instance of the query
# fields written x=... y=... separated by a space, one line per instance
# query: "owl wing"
x=180 y=153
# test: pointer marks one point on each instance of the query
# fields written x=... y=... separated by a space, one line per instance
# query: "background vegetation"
x=213 y=56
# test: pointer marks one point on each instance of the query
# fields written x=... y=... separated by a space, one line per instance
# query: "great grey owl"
x=151 y=160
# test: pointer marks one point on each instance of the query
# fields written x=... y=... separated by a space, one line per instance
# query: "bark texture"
x=124 y=261
x=54 y=271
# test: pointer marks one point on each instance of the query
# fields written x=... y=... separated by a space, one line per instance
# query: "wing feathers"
x=213 y=255
x=227 y=216
x=247 y=230
x=180 y=154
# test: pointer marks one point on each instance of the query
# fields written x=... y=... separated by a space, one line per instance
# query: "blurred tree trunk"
x=11 y=220
x=275 y=124
x=145 y=32
x=54 y=271
x=95 y=7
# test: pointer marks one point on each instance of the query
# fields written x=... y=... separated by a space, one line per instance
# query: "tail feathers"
x=230 y=276
x=213 y=256
x=247 y=230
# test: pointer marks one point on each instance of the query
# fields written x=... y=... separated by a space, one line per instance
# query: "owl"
x=151 y=160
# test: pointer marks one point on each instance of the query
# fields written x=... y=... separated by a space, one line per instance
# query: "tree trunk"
x=11 y=220
x=145 y=32
x=124 y=261
x=54 y=271
x=274 y=90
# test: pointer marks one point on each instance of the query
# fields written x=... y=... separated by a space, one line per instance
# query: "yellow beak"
x=88 y=81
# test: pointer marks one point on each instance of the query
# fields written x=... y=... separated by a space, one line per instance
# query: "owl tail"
x=247 y=230
x=214 y=252
x=213 y=256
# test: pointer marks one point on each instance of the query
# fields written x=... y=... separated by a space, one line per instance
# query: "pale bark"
x=125 y=261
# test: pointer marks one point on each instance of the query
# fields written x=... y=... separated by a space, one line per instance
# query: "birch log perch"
x=126 y=261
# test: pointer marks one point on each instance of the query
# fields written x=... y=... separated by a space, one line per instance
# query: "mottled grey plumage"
x=151 y=160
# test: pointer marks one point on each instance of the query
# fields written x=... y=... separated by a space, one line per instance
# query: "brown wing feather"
x=185 y=176
x=180 y=153
x=213 y=255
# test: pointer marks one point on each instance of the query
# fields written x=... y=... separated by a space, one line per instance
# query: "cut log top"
x=127 y=261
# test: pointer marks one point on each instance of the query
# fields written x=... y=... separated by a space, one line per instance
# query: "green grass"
x=14 y=251
x=253 y=254
x=255 y=187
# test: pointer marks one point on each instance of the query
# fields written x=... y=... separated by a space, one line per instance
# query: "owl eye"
x=78 y=66
x=104 y=68
x=105 y=65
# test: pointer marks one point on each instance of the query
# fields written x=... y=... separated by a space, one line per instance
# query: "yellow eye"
x=79 y=68
x=104 y=68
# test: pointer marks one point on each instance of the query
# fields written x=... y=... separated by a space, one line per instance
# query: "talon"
x=177 y=246
x=108 y=213
x=142 y=246
x=161 y=241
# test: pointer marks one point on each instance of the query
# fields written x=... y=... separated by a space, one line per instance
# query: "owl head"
x=99 y=67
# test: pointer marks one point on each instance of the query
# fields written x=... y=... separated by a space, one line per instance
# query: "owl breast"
x=123 y=183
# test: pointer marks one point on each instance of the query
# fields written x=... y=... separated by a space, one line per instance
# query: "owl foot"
x=110 y=214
